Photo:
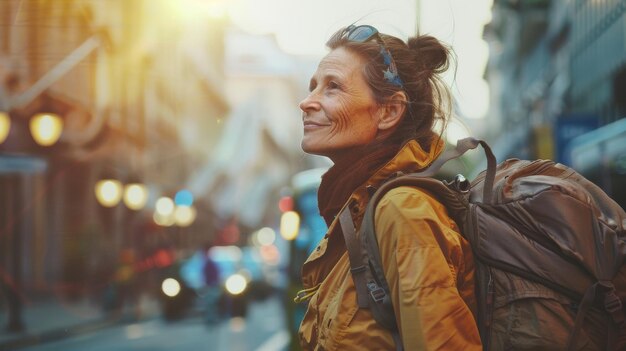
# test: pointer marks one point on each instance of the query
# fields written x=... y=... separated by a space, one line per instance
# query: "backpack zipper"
x=489 y=300
x=489 y=307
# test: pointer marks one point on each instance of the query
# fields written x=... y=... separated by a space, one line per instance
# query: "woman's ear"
x=392 y=111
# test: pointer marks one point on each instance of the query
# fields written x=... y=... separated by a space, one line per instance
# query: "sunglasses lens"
x=362 y=33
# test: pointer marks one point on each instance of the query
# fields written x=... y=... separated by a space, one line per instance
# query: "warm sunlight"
x=449 y=21
x=302 y=27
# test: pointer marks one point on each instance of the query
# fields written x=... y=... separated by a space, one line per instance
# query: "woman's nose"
x=309 y=103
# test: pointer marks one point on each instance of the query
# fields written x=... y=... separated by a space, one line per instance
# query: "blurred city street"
x=154 y=194
x=262 y=330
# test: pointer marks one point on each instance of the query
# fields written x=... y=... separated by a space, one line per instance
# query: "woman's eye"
x=333 y=85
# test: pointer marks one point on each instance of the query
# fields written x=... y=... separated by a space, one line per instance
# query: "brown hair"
x=419 y=63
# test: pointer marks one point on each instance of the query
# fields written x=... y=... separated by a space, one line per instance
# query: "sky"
x=302 y=27
x=460 y=23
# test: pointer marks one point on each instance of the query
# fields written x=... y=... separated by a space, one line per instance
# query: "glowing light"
x=165 y=206
x=183 y=198
x=270 y=254
x=135 y=196
x=236 y=284
x=266 y=236
x=289 y=225
x=285 y=204
x=46 y=128
x=226 y=253
x=170 y=287
x=163 y=259
x=5 y=126
x=108 y=192
x=184 y=215
x=163 y=220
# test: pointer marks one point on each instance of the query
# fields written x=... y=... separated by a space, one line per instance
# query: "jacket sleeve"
x=423 y=256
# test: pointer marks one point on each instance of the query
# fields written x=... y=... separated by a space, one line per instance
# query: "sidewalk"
x=54 y=320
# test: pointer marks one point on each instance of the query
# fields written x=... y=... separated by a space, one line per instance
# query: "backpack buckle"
x=461 y=184
x=377 y=293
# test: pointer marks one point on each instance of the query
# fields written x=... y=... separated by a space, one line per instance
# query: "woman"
x=372 y=105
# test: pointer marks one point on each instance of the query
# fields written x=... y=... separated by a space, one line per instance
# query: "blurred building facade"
x=259 y=149
x=138 y=85
x=557 y=72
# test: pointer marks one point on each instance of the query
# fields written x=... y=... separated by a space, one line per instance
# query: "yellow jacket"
x=428 y=265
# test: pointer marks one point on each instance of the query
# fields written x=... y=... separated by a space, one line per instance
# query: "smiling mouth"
x=309 y=124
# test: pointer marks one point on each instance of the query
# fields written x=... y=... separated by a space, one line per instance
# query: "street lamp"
x=46 y=128
x=108 y=192
x=164 y=212
x=162 y=220
x=5 y=126
x=135 y=196
x=165 y=206
x=184 y=216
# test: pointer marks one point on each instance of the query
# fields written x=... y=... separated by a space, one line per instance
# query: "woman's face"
x=340 y=113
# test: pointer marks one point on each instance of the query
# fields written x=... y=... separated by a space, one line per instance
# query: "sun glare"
x=302 y=27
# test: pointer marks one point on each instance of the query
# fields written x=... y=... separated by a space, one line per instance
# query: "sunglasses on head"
x=363 y=33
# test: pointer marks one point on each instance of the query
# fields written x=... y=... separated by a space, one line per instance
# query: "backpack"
x=549 y=249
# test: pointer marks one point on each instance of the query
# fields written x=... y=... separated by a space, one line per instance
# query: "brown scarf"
x=340 y=181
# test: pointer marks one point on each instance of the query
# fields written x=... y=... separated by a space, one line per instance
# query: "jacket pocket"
x=340 y=311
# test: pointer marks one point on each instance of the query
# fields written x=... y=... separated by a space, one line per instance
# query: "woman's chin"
x=311 y=148
x=308 y=149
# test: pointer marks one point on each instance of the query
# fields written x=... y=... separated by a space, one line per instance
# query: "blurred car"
x=241 y=279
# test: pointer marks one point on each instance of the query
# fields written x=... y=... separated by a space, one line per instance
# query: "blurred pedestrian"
x=372 y=107
x=212 y=289
x=209 y=270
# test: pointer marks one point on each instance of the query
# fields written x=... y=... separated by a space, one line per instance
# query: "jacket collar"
x=410 y=158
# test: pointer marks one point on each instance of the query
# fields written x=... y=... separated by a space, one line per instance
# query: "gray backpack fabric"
x=550 y=250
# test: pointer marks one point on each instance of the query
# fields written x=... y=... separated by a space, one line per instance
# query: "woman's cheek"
x=342 y=119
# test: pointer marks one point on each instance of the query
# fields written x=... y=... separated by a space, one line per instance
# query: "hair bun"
x=430 y=53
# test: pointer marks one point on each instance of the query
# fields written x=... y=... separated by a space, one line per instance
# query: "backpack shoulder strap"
x=372 y=292
x=363 y=251
x=357 y=261
x=369 y=294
